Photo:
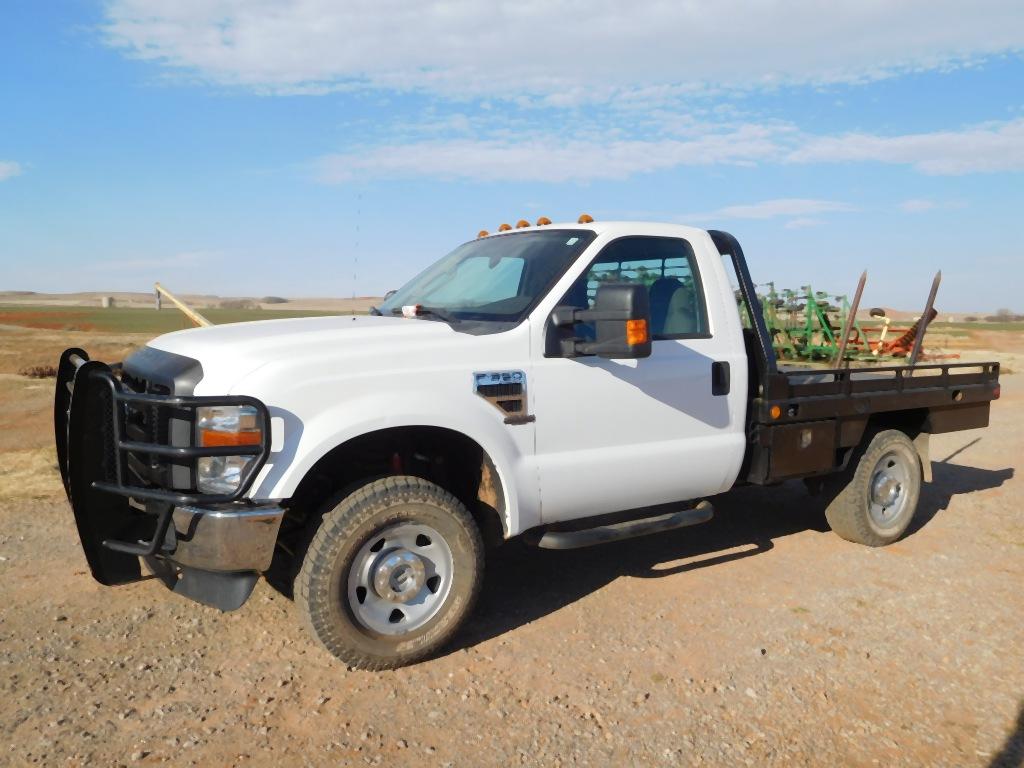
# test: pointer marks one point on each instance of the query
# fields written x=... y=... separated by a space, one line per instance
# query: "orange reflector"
x=636 y=332
x=482 y=233
x=543 y=221
x=522 y=223
x=504 y=227
x=775 y=411
x=210 y=437
x=585 y=218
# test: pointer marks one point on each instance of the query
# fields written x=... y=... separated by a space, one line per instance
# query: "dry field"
x=140 y=300
x=759 y=638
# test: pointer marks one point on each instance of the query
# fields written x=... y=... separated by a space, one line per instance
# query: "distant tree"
x=273 y=300
x=1004 y=314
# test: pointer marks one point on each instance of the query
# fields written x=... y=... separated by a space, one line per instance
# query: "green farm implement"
x=820 y=327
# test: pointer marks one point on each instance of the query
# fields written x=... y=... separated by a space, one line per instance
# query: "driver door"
x=613 y=435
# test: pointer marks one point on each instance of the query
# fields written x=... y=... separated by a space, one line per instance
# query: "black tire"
x=857 y=511
x=323 y=587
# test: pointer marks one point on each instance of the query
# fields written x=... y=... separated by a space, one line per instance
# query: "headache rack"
x=115 y=441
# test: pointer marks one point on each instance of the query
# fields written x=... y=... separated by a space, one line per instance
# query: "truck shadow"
x=523 y=584
x=1011 y=755
x=949 y=480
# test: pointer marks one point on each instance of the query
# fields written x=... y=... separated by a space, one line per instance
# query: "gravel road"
x=759 y=638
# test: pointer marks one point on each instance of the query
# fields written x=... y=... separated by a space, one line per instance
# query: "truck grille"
x=145 y=423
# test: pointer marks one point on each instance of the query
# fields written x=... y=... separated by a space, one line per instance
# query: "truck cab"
x=575 y=383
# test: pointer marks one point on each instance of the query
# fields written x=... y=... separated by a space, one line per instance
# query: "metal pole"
x=925 y=319
x=190 y=313
x=848 y=323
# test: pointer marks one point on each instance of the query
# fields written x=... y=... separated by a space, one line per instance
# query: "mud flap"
x=923 y=445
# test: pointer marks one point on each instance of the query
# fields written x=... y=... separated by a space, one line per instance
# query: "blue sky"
x=318 y=148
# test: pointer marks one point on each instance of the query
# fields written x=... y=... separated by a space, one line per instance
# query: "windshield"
x=494 y=278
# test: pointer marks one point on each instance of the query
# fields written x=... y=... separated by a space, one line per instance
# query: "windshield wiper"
x=440 y=314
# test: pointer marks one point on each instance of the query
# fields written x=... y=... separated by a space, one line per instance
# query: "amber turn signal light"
x=210 y=438
x=636 y=332
x=775 y=411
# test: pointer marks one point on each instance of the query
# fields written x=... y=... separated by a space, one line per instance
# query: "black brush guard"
x=90 y=411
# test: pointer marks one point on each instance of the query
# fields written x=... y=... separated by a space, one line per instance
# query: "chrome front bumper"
x=225 y=539
x=215 y=555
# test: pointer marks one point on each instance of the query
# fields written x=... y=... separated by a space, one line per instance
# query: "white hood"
x=230 y=352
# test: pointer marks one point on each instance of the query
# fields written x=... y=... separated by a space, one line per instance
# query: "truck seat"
x=661 y=293
x=681 y=317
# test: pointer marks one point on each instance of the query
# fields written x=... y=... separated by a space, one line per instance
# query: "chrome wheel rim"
x=888 y=490
x=400 y=578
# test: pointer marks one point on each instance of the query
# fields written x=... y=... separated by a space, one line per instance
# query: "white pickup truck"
x=569 y=383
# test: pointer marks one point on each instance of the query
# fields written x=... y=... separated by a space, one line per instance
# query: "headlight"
x=221 y=474
x=225 y=425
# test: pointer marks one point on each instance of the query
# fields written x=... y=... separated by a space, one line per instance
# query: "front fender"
x=300 y=440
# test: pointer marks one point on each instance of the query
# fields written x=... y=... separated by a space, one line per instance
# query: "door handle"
x=719 y=378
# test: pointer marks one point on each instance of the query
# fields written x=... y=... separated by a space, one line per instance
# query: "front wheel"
x=879 y=497
x=391 y=574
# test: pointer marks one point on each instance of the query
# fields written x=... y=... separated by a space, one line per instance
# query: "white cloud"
x=982 y=148
x=587 y=155
x=9 y=169
x=564 y=51
x=771 y=209
x=917 y=206
x=803 y=223
x=546 y=158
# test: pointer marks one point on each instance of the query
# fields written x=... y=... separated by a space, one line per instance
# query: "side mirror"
x=622 y=323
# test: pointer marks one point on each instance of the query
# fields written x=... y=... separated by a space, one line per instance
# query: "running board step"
x=630 y=529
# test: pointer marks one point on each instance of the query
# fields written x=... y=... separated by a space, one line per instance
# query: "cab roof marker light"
x=504 y=227
x=522 y=223
x=543 y=221
x=585 y=218
x=482 y=233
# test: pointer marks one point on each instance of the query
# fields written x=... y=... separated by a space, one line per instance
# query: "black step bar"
x=630 y=529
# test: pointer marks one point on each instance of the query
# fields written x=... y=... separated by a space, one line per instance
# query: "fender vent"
x=506 y=390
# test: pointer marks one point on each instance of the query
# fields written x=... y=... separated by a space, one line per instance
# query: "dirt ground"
x=759 y=638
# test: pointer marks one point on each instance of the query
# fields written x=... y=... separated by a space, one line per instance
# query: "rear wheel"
x=391 y=574
x=880 y=494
